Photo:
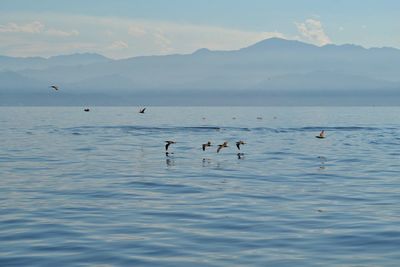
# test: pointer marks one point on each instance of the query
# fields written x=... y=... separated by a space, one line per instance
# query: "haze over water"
x=96 y=188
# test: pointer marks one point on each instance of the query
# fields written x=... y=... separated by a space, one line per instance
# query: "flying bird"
x=142 y=110
x=225 y=144
x=55 y=87
x=206 y=145
x=238 y=143
x=321 y=135
x=168 y=143
x=86 y=110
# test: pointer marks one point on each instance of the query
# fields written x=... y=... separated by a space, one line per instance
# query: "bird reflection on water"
x=322 y=160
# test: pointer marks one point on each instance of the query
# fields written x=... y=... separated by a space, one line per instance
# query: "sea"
x=98 y=188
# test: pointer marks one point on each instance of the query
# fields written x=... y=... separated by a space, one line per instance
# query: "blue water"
x=97 y=189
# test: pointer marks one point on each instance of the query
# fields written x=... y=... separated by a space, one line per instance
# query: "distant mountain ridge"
x=20 y=63
x=268 y=68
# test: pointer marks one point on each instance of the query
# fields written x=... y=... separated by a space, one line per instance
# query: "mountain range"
x=271 y=72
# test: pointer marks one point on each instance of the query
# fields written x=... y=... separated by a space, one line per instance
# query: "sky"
x=129 y=28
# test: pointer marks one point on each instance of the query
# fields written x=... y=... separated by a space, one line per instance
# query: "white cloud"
x=60 y=33
x=111 y=35
x=136 y=30
x=162 y=41
x=117 y=45
x=312 y=31
x=11 y=27
x=35 y=27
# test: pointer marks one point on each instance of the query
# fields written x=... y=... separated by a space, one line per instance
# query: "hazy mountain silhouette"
x=270 y=68
x=21 y=63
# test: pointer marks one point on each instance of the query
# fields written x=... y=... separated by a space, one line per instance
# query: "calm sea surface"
x=97 y=189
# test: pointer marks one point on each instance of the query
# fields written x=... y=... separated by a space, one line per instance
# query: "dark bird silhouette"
x=86 y=110
x=240 y=155
x=168 y=143
x=55 y=87
x=225 y=144
x=206 y=145
x=142 y=110
x=321 y=135
x=238 y=143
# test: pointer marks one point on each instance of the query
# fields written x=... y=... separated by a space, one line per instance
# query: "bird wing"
x=238 y=145
x=167 y=145
x=219 y=148
x=204 y=147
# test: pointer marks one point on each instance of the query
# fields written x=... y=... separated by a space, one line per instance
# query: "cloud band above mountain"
x=50 y=34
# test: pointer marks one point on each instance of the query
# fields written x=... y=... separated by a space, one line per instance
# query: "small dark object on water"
x=321 y=135
x=142 y=110
x=168 y=144
x=86 y=110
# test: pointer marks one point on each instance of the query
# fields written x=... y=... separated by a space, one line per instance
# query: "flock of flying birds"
x=225 y=144
x=208 y=144
x=204 y=146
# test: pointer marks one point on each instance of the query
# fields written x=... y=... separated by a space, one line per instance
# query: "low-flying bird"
x=225 y=144
x=86 y=110
x=240 y=155
x=142 y=110
x=55 y=87
x=238 y=143
x=168 y=143
x=321 y=134
x=206 y=145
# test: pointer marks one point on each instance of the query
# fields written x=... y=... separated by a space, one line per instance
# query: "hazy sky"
x=126 y=28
